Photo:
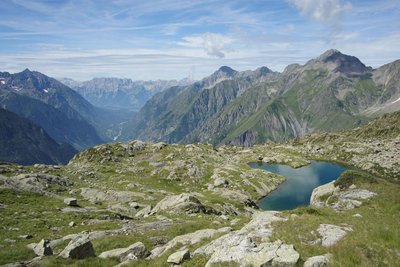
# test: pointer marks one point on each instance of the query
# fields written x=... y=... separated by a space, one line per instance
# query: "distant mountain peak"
x=339 y=62
x=228 y=71
x=263 y=70
x=330 y=53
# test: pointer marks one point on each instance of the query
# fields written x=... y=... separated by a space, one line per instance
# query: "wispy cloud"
x=324 y=11
x=212 y=43
x=166 y=38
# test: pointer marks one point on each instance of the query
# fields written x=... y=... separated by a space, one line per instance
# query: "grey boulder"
x=80 y=247
x=179 y=256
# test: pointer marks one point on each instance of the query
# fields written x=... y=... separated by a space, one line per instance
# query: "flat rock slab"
x=331 y=234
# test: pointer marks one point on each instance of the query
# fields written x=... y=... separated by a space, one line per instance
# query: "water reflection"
x=296 y=190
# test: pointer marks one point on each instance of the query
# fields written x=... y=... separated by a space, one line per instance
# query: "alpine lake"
x=300 y=182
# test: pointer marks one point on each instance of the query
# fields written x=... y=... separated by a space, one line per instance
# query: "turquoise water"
x=296 y=190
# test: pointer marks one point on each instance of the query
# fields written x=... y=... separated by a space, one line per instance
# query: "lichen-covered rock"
x=79 y=247
x=179 y=256
x=317 y=261
x=331 y=234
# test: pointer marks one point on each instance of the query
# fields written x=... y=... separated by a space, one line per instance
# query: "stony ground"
x=141 y=204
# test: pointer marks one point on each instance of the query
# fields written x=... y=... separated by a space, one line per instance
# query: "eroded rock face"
x=79 y=247
x=183 y=203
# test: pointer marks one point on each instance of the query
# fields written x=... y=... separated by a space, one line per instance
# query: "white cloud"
x=323 y=11
x=212 y=43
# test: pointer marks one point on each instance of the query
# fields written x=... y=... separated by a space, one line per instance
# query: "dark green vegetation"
x=329 y=93
x=145 y=174
x=25 y=143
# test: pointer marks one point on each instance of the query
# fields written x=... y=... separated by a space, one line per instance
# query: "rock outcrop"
x=79 y=247
x=134 y=251
x=43 y=248
x=331 y=234
x=329 y=195
x=183 y=203
x=188 y=239
x=250 y=246
x=44 y=184
x=317 y=261
x=179 y=257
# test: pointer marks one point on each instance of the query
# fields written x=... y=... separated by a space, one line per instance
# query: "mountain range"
x=329 y=93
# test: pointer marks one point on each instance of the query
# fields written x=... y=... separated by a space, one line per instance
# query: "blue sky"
x=171 y=39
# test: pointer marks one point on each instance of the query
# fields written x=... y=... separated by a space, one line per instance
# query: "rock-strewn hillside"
x=157 y=204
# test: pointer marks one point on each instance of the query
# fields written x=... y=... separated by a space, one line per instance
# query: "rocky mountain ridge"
x=175 y=113
x=118 y=93
x=331 y=92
